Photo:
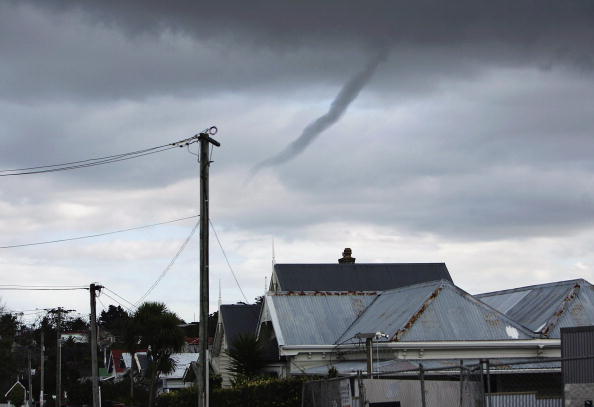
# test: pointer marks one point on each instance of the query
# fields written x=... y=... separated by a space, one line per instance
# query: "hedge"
x=268 y=392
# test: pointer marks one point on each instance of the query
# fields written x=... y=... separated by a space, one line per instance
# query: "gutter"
x=539 y=344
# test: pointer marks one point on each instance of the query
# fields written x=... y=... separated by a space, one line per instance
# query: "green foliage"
x=247 y=358
x=264 y=392
x=158 y=330
x=332 y=372
x=8 y=329
x=115 y=320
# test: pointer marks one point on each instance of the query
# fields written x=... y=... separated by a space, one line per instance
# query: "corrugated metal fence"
x=522 y=400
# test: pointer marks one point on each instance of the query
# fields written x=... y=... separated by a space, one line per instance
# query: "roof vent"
x=346 y=256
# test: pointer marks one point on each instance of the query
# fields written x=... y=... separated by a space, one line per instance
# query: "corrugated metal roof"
x=546 y=308
x=239 y=319
x=356 y=276
x=432 y=312
x=314 y=318
x=182 y=362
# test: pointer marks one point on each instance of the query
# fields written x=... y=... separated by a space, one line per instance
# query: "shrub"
x=264 y=392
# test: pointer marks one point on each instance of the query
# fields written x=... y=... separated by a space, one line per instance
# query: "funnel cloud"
x=345 y=97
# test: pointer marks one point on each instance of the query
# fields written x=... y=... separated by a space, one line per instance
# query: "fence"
x=534 y=382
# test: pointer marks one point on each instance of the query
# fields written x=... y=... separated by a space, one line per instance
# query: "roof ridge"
x=438 y=283
x=532 y=287
x=329 y=293
x=554 y=319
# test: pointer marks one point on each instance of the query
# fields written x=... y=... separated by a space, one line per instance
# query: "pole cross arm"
x=206 y=136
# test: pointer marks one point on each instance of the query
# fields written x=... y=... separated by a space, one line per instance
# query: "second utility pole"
x=205 y=141
x=94 y=367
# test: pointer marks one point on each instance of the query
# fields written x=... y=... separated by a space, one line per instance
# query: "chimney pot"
x=346 y=256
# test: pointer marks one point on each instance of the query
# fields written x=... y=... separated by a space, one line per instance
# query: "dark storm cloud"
x=80 y=78
x=275 y=46
x=286 y=24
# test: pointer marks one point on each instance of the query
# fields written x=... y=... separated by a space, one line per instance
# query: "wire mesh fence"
x=535 y=382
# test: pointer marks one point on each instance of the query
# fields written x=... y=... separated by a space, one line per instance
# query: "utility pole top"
x=205 y=140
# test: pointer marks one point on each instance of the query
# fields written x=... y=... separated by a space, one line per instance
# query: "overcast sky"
x=468 y=141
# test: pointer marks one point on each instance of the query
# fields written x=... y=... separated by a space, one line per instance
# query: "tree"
x=115 y=320
x=247 y=357
x=159 y=332
x=8 y=330
x=131 y=342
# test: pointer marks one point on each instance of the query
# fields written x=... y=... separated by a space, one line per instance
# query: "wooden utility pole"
x=94 y=366
x=41 y=399
x=30 y=398
x=205 y=141
x=59 y=311
x=59 y=359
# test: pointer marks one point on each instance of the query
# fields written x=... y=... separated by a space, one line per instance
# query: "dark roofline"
x=535 y=286
x=351 y=264
x=328 y=293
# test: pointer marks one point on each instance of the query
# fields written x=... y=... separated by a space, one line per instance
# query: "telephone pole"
x=205 y=141
x=41 y=400
x=59 y=311
x=94 y=367
x=30 y=398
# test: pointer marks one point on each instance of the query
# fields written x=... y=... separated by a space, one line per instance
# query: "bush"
x=265 y=392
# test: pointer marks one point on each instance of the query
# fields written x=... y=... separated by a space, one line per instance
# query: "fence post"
x=422 y=376
x=461 y=382
x=482 y=382
x=362 y=392
x=488 y=384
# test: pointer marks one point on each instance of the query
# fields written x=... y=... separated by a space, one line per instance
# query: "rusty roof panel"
x=433 y=312
x=545 y=308
x=315 y=319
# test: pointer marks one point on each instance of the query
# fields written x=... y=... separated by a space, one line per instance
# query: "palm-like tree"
x=247 y=357
x=159 y=332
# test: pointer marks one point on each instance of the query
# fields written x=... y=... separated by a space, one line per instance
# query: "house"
x=119 y=362
x=75 y=336
x=234 y=320
x=16 y=391
x=175 y=380
x=192 y=344
x=321 y=316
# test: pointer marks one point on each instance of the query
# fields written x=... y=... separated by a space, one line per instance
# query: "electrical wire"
x=227 y=260
x=42 y=286
x=41 y=289
x=90 y=162
x=85 y=165
x=84 y=161
x=117 y=302
x=119 y=296
x=97 y=234
x=101 y=302
x=164 y=272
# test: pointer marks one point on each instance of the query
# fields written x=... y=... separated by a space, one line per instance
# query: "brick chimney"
x=346 y=256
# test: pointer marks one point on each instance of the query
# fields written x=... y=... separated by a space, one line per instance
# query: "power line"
x=42 y=286
x=90 y=162
x=85 y=161
x=97 y=234
x=118 y=302
x=227 y=260
x=164 y=272
x=40 y=289
x=119 y=296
